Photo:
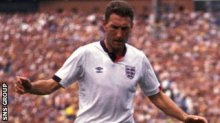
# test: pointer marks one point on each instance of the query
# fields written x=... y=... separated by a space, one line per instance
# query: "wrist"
x=185 y=117
x=28 y=88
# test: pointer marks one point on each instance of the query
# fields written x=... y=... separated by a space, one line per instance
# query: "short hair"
x=119 y=7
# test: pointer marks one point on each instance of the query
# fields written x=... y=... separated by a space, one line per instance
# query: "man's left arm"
x=164 y=103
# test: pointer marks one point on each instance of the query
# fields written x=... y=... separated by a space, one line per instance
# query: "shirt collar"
x=112 y=55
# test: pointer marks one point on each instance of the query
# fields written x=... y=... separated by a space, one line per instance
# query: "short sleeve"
x=72 y=68
x=148 y=82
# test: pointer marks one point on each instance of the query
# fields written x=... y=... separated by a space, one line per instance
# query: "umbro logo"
x=99 y=69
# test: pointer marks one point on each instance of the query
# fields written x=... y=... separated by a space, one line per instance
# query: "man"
x=108 y=72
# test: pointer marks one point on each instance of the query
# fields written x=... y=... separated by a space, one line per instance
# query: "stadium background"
x=180 y=37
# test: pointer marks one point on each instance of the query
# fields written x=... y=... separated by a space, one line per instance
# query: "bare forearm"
x=43 y=87
x=168 y=106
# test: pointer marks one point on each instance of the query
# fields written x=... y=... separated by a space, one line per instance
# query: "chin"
x=116 y=48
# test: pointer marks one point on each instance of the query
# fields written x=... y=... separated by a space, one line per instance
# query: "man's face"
x=117 y=30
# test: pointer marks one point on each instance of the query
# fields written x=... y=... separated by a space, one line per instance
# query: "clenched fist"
x=22 y=85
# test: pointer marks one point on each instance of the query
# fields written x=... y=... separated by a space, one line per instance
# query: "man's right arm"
x=40 y=87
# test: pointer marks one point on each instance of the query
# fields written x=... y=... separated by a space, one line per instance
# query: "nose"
x=119 y=33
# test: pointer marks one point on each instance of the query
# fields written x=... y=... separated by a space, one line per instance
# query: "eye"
x=115 y=27
x=124 y=28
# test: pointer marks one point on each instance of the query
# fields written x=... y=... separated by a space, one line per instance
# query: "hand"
x=195 y=119
x=22 y=85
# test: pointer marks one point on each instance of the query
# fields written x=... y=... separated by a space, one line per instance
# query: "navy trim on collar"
x=111 y=54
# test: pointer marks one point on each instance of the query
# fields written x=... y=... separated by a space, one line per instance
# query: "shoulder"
x=137 y=55
x=83 y=51
x=91 y=45
x=87 y=48
x=134 y=51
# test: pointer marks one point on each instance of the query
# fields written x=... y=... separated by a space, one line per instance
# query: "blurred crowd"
x=183 y=48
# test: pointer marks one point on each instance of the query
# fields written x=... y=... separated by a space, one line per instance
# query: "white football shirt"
x=107 y=87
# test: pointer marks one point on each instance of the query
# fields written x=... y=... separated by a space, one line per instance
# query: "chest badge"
x=130 y=71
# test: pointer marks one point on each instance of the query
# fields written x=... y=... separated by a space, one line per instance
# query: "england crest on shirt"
x=130 y=71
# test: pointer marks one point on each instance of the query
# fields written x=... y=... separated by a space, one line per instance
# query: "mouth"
x=119 y=42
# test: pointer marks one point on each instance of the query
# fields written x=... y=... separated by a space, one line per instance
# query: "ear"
x=104 y=23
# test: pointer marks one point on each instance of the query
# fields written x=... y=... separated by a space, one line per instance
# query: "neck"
x=117 y=52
